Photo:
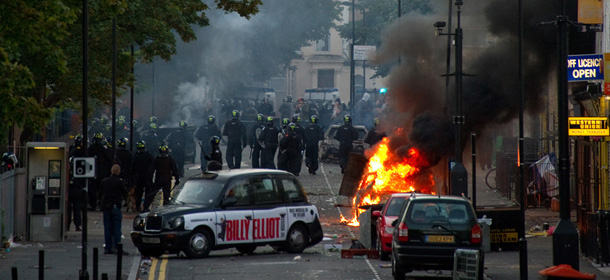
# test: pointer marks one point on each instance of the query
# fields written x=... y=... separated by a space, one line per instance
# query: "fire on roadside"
x=386 y=173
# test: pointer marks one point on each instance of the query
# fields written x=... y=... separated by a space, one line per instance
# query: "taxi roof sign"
x=588 y=126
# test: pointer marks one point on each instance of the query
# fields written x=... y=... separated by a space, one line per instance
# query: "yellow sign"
x=606 y=69
x=588 y=126
x=590 y=11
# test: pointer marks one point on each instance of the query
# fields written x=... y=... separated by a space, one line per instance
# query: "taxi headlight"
x=175 y=223
x=138 y=222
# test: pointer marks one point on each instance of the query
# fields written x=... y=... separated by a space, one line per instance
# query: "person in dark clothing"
x=163 y=168
x=125 y=159
x=291 y=146
x=256 y=147
x=75 y=187
x=151 y=139
x=346 y=134
x=313 y=135
x=237 y=139
x=269 y=139
x=177 y=142
x=203 y=135
x=265 y=107
x=142 y=163
x=215 y=157
x=112 y=192
x=281 y=160
x=102 y=168
x=374 y=136
x=300 y=130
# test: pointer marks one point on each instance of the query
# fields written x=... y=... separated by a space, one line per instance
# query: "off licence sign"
x=588 y=126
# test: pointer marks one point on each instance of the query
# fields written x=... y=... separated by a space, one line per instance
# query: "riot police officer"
x=346 y=134
x=313 y=135
x=253 y=136
x=142 y=163
x=177 y=141
x=269 y=139
x=163 y=168
x=291 y=148
x=75 y=188
x=281 y=161
x=203 y=135
x=102 y=167
x=215 y=157
x=300 y=130
x=151 y=139
x=125 y=160
x=237 y=139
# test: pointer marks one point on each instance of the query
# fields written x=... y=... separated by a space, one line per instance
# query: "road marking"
x=350 y=230
x=135 y=268
x=163 y=269
x=153 y=268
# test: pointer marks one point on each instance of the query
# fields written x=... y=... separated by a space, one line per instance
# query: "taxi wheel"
x=297 y=239
x=199 y=243
x=246 y=249
x=383 y=256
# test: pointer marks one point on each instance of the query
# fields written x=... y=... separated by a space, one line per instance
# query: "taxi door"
x=234 y=222
x=270 y=223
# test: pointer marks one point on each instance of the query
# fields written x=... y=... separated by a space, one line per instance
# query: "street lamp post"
x=459 y=175
x=352 y=87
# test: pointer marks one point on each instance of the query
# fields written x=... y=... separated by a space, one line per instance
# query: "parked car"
x=384 y=229
x=242 y=208
x=329 y=147
x=429 y=230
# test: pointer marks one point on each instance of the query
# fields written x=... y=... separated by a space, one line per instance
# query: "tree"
x=40 y=43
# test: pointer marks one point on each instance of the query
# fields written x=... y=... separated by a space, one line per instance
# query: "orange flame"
x=387 y=173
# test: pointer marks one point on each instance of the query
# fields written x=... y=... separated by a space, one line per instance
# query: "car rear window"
x=394 y=205
x=453 y=212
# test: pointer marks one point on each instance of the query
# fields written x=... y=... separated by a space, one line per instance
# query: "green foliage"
x=41 y=49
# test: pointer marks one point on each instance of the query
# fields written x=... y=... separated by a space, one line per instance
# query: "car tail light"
x=403 y=233
x=476 y=234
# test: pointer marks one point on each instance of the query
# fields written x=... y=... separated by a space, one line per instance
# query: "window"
x=292 y=191
x=265 y=191
x=326 y=78
x=323 y=45
x=239 y=190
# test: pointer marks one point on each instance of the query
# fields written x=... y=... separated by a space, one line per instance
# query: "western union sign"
x=588 y=126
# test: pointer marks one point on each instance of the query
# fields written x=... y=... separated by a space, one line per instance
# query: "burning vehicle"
x=329 y=147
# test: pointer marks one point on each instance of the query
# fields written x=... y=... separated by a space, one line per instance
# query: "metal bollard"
x=41 y=265
x=104 y=276
x=119 y=261
x=95 y=262
x=14 y=273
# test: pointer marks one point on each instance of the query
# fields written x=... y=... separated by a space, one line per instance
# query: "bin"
x=485 y=224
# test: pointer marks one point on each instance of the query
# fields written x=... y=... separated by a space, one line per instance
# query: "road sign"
x=362 y=52
x=83 y=167
x=588 y=126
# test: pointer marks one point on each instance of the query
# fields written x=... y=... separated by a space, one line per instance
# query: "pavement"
x=63 y=260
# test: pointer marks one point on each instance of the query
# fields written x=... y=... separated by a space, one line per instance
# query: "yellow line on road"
x=153 y=268
x=162 y=269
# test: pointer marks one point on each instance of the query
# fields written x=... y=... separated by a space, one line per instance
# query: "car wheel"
x=297 y=239
x=397 y=272
x=152 y=253
x=246 y=249
x=199 y=243
x=383 y=256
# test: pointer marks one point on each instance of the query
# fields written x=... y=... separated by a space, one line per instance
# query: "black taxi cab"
x=240 y=208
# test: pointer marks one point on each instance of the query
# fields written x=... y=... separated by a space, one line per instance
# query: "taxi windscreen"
x=205 y=192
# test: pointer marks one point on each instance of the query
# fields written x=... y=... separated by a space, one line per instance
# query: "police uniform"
x=164 y=167
x=203 y=134
x=142 y=163
x=255 y=132
x=313 y=135
x=237 y=137
x=346 y=134
x=177 y=142
x=269 y=138
x=291 y=149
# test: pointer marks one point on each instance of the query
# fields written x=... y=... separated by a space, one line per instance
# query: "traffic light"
x=383 y=90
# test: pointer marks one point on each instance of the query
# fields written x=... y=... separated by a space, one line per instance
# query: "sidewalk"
x=63 y=260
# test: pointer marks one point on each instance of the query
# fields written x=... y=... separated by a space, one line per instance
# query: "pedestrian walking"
x=142 y=163
x=237 y=140
x=177 y=141
x=112 y=192
x=203 y=135
x=269 y=139
x=163 y=168
x=313 y=135
x=346 y=134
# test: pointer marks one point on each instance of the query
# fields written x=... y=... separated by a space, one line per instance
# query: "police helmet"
x=296 y=119
x=183 y=124
x=376 y=121
x=109 y=142
x=103 y=120
x=122 y=143
x=314 y=118
x=153 y=126
x=121 y=120
x=269 y=119
x=98 y=137
x=95 y=121
x=347 y=119
x=260 y=117
x=163 y=149
x=211 y=119
x=214 y=140
x=285 y=121
x=292 y=126
x=108 y=127
x=141 y=144
x=153 y=119
x=235 y=114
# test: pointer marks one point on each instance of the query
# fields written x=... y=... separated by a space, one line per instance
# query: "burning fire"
x=387 y=173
